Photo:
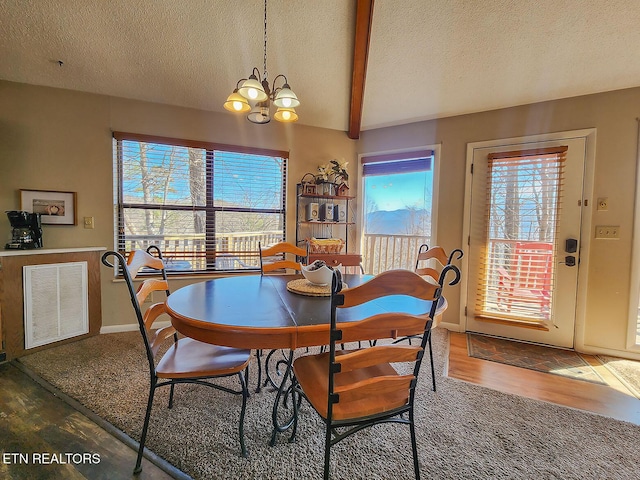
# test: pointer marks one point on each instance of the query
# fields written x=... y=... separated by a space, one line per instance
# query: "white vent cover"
x=55 y=302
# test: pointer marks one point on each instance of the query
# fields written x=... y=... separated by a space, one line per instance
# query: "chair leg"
x=258 y=356
x=245 y=395
x=145 y=426
x=433 y=371
x=414 y=445
x=171 y=395
x=327 y=451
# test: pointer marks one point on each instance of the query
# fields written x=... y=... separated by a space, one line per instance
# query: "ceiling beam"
x=364 y=16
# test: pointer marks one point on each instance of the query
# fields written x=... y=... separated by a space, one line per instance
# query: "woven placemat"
x=305 y=287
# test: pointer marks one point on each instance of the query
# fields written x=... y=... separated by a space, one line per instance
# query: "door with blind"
x=524 y=214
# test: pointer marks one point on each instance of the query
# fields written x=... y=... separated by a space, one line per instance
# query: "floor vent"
x=55 y=302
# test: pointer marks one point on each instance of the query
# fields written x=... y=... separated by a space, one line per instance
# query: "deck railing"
x=188 y=252
x=387 y=252
x=239 y=250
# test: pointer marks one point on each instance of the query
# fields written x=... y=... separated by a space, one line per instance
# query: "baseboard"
x=452 y=327
x=131 y=327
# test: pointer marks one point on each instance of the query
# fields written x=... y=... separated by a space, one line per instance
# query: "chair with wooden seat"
x=349 y=262
x=277 y=259
x=355 y=389
x=186 y=360
x=436 y=253
x=274 y=258
x=425 y=268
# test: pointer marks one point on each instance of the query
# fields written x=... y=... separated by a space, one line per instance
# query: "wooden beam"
x=364 y=16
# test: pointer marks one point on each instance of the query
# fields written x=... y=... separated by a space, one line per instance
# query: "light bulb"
x=253 y=93
x=286 y=115
x=237 y=106
x=286 y=102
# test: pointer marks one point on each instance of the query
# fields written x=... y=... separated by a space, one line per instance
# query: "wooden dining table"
x=260 y=312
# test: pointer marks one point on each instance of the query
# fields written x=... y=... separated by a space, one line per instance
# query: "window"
x=522 y=209
x=205 y=205
x=398 y=193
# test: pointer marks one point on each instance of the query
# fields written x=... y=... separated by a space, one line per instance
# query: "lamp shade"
x=237 y=103
x=286 y=115
x=252 y=89
x=260 y=113
x=286 y=98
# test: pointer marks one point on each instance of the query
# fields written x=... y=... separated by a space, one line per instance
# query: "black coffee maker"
x=26 y=230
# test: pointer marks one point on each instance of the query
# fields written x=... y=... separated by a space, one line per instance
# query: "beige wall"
x=54 y=139
x=613 y=114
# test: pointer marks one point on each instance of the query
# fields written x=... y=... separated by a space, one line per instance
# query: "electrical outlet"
x=603 y=204
x=608 y=231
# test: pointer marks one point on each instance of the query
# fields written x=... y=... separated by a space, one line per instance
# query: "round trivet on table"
x=305 y=287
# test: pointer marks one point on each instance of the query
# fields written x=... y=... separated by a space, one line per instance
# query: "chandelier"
x=254 y=95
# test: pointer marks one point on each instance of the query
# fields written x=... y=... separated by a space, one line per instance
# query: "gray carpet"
x=464 y=431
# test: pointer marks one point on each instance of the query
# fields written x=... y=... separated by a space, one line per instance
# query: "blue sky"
x=401 y=190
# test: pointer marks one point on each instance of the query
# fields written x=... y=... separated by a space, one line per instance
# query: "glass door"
x=525 y=223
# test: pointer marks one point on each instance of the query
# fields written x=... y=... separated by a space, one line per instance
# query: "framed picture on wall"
x=56 y=208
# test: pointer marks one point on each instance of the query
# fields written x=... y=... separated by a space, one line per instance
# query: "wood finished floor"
x=33 y=420
x=38 y=429
x=613 y=400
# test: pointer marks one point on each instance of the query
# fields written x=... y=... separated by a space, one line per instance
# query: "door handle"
x=570 y=261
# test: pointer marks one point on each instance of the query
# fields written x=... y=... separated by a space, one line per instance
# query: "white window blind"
x=206 y=206
x=523 y=196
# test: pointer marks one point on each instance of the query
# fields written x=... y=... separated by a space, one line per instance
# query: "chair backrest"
x=437 y=253
x=350 y=262
x=380 y=324
x=281 y=249
x=533 y=262
x=131 y=267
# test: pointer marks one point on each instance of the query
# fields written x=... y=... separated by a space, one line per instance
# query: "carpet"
x=464 y=431
x=627 y=371
x=534 y=357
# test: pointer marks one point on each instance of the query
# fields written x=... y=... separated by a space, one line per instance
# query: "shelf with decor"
x=323 y=223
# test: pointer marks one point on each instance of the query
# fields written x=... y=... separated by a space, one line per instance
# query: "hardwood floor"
x=614 y=400
x=35 y=421
x=43 y=437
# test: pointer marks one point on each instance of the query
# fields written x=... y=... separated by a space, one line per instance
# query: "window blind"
x=207 y=206
x=523 y=206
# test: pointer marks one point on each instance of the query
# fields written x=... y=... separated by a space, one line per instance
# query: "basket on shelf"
x=325 y=245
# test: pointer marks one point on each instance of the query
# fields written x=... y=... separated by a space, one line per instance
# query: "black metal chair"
x=274 y=259
x=355 y=389
x=186 y=360
x=434 y=272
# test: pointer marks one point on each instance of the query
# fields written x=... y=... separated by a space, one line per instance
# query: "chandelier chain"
x=265 y=40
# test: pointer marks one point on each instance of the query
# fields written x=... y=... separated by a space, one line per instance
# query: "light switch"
x=88 y=222
x=607 y=231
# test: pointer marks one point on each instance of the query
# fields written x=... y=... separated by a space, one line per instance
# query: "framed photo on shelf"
x=56 y=208
x=309 y=188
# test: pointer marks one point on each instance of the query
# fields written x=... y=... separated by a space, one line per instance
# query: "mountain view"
x=404 y=221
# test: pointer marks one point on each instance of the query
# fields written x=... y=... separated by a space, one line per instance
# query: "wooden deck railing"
x=188 y=252
x=386 y=252
x=240 y=250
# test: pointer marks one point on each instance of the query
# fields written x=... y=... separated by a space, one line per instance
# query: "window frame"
x=408 y=154
x=209 y=208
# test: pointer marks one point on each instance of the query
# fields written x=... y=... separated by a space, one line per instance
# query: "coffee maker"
x=26 y=230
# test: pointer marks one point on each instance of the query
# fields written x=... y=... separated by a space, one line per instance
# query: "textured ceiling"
x=427 y=59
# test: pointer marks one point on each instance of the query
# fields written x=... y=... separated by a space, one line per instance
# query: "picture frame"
x=56 y=208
